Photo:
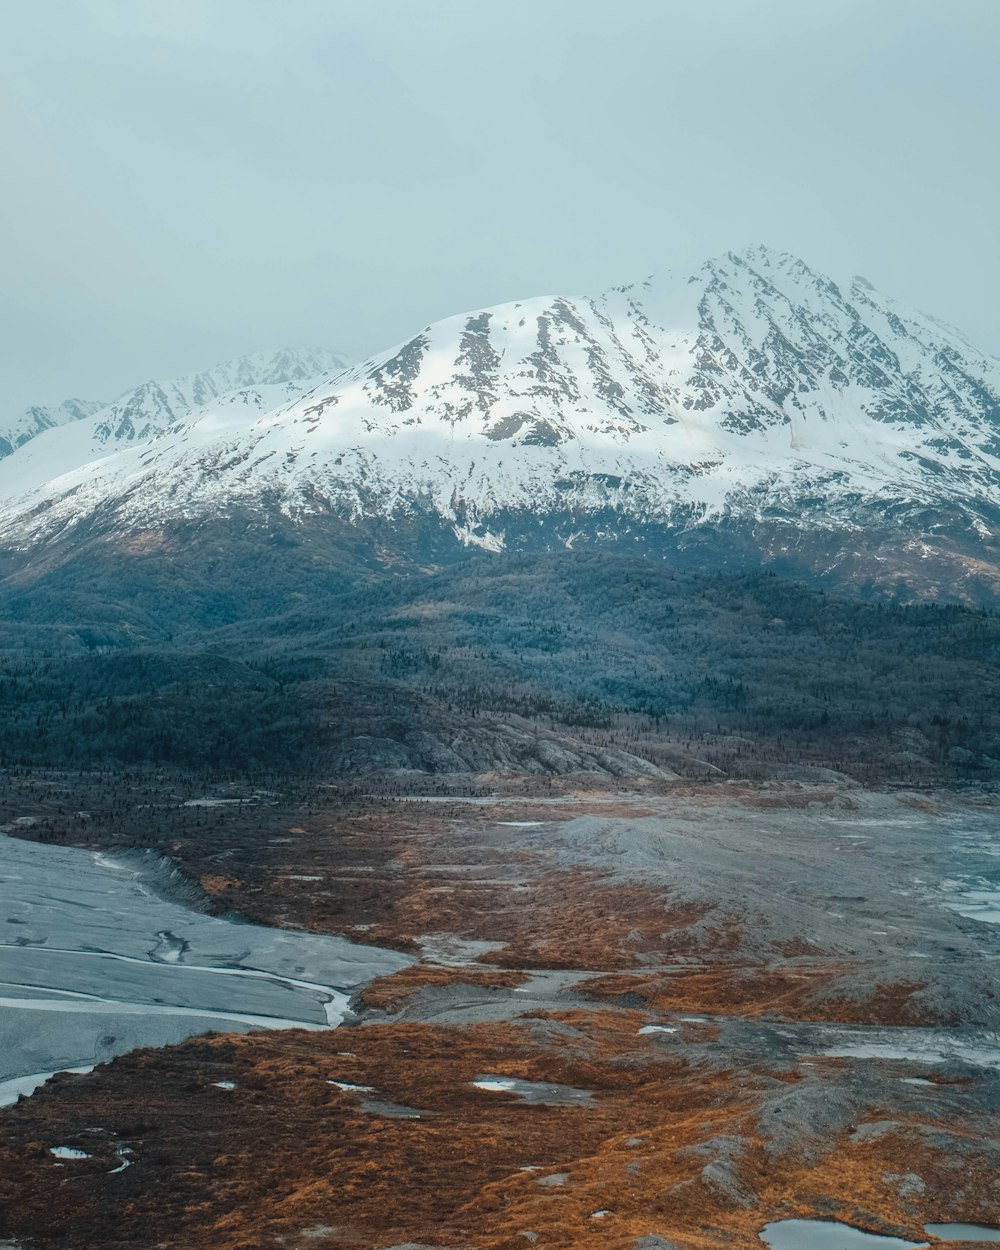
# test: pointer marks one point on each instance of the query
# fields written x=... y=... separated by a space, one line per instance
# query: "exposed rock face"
x=752 y=406
x=497 y=748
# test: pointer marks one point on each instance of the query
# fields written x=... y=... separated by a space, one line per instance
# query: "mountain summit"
x=751 y=409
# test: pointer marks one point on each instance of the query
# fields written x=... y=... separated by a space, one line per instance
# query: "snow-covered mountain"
x=21 y=428
x=153 y=407
x=753 y=393
x=232 y=393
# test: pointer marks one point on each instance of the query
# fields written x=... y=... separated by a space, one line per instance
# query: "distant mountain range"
x=749 y=412
x=81 y=435
x=21 y=428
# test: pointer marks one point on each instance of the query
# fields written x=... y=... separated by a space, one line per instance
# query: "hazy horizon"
x=189 y=182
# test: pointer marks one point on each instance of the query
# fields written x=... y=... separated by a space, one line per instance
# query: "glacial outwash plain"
x=663 y=1015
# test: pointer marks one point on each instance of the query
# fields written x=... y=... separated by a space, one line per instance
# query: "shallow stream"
x=100 y=955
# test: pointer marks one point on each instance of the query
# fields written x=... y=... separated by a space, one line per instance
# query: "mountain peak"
x=265 y=367
x=751 y=389
x=765 y=256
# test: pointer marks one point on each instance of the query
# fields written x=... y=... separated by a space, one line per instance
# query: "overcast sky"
x=188 y=180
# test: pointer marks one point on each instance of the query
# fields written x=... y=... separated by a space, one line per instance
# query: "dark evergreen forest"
x=694 y=672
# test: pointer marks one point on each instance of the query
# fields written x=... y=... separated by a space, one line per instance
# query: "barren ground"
x=771 y=1001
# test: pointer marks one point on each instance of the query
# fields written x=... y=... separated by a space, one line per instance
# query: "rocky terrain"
x=656 y=1018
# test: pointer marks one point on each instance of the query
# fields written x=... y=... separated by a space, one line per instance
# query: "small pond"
x=544 y=1093
x=962 y=1232
x=828 y=1235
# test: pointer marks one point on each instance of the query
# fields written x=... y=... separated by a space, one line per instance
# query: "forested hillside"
x=517 y=663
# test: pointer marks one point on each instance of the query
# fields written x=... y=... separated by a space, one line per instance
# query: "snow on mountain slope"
x=226 y=395
x=752 y=387
x=17 y=430
x=155 y=406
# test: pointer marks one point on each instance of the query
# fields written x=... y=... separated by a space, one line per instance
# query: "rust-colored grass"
x=288 y=1159
x=388 y=993
x=797 y=993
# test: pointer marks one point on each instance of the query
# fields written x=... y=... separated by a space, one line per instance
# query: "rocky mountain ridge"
x=235 y=391
x=21 y=428
x=753 y=409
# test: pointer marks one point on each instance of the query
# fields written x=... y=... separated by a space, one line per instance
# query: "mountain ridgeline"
x=750 y=412
x=79 y=436
x=716 y=523
x=22 y=427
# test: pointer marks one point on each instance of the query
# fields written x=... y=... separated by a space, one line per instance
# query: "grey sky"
x=186 y=180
